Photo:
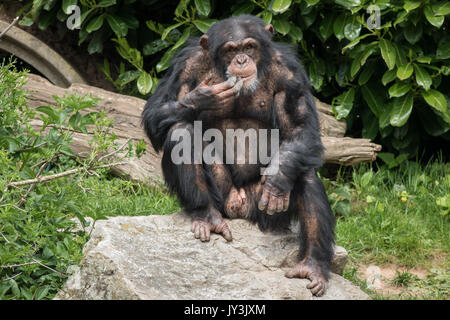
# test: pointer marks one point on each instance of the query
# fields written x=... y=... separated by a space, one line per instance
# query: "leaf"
x=170 y=28
x=405 y=71
x=106 y=3
x=267 y=17
x=50 y=111
x=95 y=23
x=164 y=63
x=129 y=76
x=41 y=292
x=203 y=7
x=366 y=74
x=13 y=143
x=401 y=110
x=443 y=50
x=144 y=83
x=373 y=100
x=441 y=9
x=388 y=76
x=391 y=160
x=348 y=4
x=46 y=19
x=182 y=5
x=352 y=28
x=296 y=33
x=388 y=53
x=343 y=104
x=356 y=65
x=280 y=6
x=355 y=42
x=183 y=39
x=96 y=44
x=246 y=8
x=66 y=5
x=423 y=79
x=204 y=24
x=365 y=179
x=312 y=2
x=399 y=89
x=411 y=5
x=119 y=27
x=338 y=26
x=435 y=99
x=401 y=16
x=424 y=59
x=400 y=55
x=282 y=26
x=413 y=33
x=436 y=21
x=326 y=27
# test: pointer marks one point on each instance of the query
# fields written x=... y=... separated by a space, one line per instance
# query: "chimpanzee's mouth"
x=245 y=84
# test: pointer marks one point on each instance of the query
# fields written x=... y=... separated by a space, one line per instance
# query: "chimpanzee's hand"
x=205 y=97
x=272 y=199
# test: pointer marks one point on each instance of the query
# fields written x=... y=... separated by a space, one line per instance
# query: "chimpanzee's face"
x=238 y=47
x=241 y=58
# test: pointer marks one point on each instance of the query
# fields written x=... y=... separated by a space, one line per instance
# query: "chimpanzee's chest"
x=257 y=106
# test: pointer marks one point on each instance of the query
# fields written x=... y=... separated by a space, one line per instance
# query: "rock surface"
x=157 y=257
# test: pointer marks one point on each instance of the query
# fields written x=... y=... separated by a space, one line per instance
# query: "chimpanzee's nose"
x=241 y=59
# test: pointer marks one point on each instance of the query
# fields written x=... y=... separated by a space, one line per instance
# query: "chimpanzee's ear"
x=269 y=28
x=204 y=42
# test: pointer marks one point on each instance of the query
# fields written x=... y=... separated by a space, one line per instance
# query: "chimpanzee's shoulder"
x=191 y=62
x=285 y=59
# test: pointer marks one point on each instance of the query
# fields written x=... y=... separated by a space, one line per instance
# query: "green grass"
x=117 y=197
x=394 y=214
x=396 y=217
x=384 y=217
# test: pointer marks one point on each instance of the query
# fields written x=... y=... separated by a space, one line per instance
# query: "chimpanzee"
x=236 y=77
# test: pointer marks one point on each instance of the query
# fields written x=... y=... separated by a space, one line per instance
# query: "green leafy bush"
x=38 y=243
x=383 y=65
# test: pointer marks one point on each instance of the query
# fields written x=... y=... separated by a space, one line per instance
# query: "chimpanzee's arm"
x=180 y=98
x=301 y=148
x=163 y=109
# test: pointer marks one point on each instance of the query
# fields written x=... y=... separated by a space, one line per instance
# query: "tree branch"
x=60 y=175
x=9 y=27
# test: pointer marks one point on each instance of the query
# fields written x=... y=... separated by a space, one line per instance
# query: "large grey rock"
x=157 y=257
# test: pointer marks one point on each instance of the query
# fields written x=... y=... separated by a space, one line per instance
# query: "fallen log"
x=126 y=112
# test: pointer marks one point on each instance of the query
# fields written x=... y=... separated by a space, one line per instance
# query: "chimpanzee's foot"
x=310 y=270
x=237 y=204
x=213 y=222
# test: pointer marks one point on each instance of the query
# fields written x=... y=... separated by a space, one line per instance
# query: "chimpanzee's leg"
x=238 y=201
x=316 y=232
x=195 y=189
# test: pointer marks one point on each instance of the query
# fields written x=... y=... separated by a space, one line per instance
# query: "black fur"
x=301 y=150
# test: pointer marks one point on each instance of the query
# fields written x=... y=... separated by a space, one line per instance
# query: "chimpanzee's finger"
x=204 y=233
x=272 y=205
x=196 y=230
x=206 y=81
x=263 y=200
x=224 y=230
x=280 y=204
x=220 y=87
x=226 y=94
x=286 y=202
x=242 y=194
